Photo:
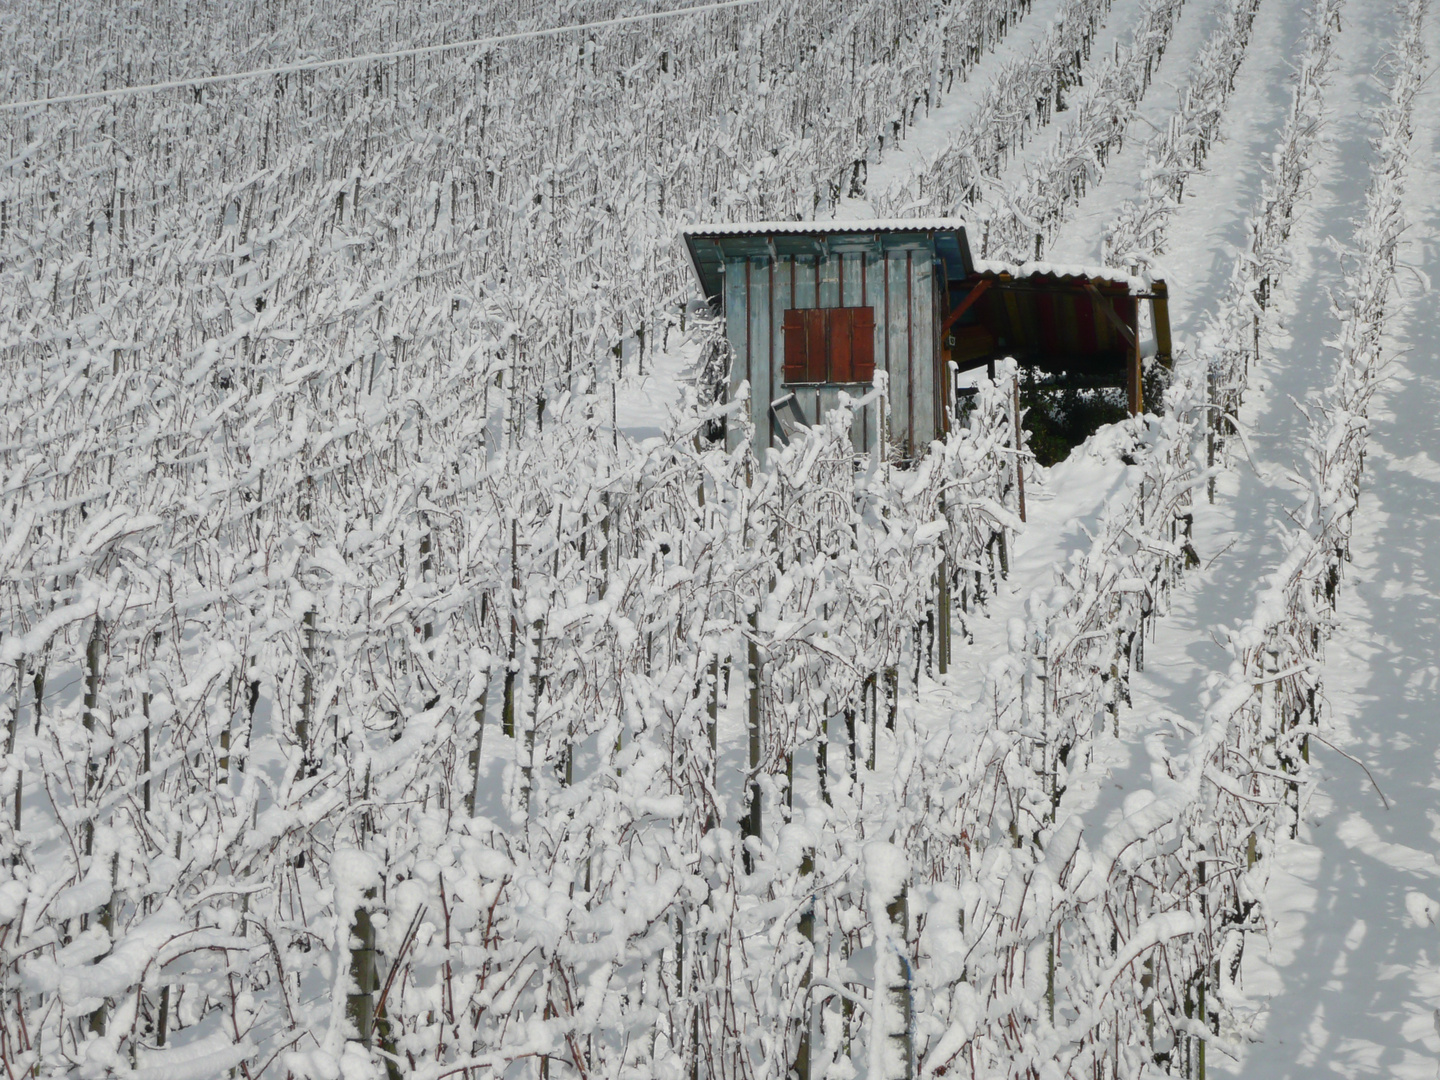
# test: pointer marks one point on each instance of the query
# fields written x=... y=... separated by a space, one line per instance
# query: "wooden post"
x=1137 y=394
x=107 y=923
x=872 y=683
x=252 y=702
x=822 y=755
x=225 y=731
x=507 y=713
x=850 y=730
x=1050 y=976
x=39 y=688
x=801 y=1067
x=892 y=703
x=10 y=747
x=753 y=816
x=900 y=993
x=712 y=708
x=1147 y=984
x=942 y=614
x=1210 y=424
x=718 y=674
x=92 y=697
x=537 y=690
x=15 y=715
x=361 y=1003
x=474 y=796
x=426 y=566
x=162 y=1023
x=1160 y=316
x=307 y=693
x=1019 y=447
x=1200 y=987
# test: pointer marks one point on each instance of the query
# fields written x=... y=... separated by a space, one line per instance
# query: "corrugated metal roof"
x=764 y=228
x=709 y=245
x=1064 y=272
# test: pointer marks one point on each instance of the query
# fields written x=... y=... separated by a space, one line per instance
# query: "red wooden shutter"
x=862 y=349
x=815 y=345
x=829 y=345
x=840 y=325
x=797 y=364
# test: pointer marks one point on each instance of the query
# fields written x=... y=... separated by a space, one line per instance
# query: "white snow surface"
x=1338 y=971
x=1347 y=980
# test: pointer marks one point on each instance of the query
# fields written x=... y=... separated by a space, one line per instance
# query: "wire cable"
x=320 y=65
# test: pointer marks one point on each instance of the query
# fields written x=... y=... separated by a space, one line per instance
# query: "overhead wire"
x=342 y=61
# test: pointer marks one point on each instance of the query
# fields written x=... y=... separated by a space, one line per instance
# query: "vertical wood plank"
x=922 y=349
x=780 y=302
x=805 y=283
x=872 y=294
x=897 y=323
x=861 y=432
x=736 y=319
x=1134 y=375
x=830 y=281
x=853 y=265
x=827 y=397
x=1020 y=321
x=1160 y=320
x=939 y=376
x=759 y=323
x=911 y=439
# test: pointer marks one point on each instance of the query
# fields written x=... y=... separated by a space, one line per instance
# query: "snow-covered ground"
x=505 y=559
x=1349 y=979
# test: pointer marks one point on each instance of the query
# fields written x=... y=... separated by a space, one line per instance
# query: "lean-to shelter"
x=814 y=309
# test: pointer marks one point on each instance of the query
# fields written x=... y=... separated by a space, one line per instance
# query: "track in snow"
x=1349 y=980
x=1356 y=980
x=1065 y=501
x=1157 y=103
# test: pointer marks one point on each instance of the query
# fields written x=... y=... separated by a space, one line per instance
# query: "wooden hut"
x=816 y=308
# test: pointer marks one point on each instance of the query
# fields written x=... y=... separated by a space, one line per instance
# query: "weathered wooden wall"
x=897 y=280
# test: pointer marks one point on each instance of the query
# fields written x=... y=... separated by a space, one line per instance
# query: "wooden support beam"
x=1108 y=310
x=1132 y=338
x=964 y=305
x=1160 y=315
x=1137 y=393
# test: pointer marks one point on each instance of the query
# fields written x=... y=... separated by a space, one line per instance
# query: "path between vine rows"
x=1067 y=498
x=1352 y=980
x=1197 y=18
x=1349 y=981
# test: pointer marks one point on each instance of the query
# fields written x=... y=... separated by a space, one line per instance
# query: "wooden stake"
x=507 y=712
x=1019 y=446
x=307 y=693
x=753 y=818
x=361 y=1003
x=801 y=1068
x=92 y=697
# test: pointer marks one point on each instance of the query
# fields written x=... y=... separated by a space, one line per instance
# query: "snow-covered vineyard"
x=398 y=678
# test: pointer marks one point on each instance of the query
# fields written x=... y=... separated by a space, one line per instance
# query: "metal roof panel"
x=861 y=225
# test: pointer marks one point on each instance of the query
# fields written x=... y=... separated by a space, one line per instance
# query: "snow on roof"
x=710 y=244
x=762 y=228
x=1064 y=270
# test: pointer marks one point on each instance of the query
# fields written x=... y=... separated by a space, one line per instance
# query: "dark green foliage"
x=1058 y=420
x=1060 y=415
x=1153 y=385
